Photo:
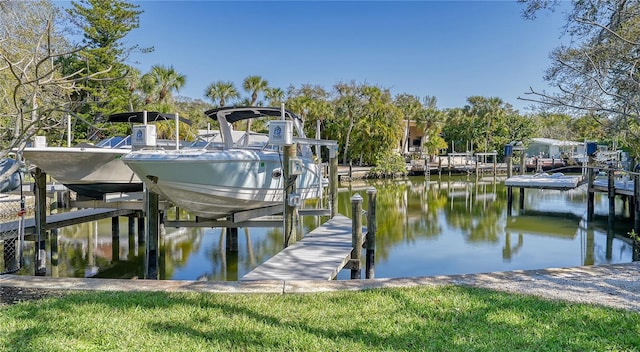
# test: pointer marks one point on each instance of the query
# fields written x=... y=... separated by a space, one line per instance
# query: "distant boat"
x=9 y=180
x=94 y=170
x=544 y=164
x=243 y=172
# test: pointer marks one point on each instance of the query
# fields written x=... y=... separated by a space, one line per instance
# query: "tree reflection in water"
x=426 y=226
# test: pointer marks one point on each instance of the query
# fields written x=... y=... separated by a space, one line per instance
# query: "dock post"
x=231 y=239
x=449 y=163
x=290 y=211
x=370 y=265
x=509 y=200
x=115 y=239
x=636 y=203
x=333 y=181
x=523 y=163
x=40 y=183
x=142 y=237
x=62 y=199
x=509 y=161
x=521 y=200
x=131 y=236
x=53 y=239
x=356 y=235
x=611 y=192
x=477 y=166
x=153 y=226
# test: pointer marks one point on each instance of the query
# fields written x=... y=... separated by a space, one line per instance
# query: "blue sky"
x=448 y=49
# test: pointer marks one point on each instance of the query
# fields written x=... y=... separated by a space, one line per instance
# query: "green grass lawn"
x=447 y=318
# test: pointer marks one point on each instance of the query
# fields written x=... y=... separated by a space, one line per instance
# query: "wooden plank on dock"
x=317 y=256
x=65 y=219
x=543 y=181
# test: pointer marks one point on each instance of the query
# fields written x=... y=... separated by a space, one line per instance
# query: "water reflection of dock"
x=627 y=187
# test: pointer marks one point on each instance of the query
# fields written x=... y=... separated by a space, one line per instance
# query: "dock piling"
x=290 y=210
x=356 y=237
x=333 y=181
x=611 y=192
x=370 y=242
x=115 y=238
x=231 y=239
x=636 y=203
x=40 y=183
x=153 y=231
x=53 y=240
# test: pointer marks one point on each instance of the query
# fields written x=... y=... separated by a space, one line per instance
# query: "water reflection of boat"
x=93 y=170
x=240 y=174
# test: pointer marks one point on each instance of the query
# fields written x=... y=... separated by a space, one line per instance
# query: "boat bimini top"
x=234 y=114
x=139 y=117
x=226 y=116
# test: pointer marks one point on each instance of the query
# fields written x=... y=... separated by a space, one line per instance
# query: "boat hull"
x=11 y=181
x=215 y=184
x=90 y=172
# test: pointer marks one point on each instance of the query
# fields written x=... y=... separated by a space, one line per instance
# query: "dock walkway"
x=319 y=255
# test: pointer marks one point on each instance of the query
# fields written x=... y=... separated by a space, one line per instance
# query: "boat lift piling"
x=40 y=183
x=152 y=247
x=370 y=241
x=356 y=236
x=290 y=200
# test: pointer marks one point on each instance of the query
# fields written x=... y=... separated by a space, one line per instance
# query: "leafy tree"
x=193 y=109
x=311 y=102
x=554 y=125
x=104 y=25
x=596 y=73
x=32 y=91
x=380 y=127
x=221 y=91
x=349 y=106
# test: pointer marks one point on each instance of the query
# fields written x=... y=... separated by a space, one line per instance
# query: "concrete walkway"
x=616 y=286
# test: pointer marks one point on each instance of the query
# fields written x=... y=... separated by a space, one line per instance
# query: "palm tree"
x=222 y=91
x=411 y=107
x=275 y=96
x=254 y=84
x=160 y=82
x=134 y=81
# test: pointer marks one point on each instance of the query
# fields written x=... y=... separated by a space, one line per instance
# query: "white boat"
x=93 y=170
x=243 y=172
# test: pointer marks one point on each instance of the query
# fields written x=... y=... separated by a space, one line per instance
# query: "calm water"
x=436 y=226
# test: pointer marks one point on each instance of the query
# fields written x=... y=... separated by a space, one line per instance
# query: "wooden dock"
x=555 y=181
x=64 y=219
x=319 y=255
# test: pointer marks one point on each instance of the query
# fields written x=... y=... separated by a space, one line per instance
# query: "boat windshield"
x=115 y=142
